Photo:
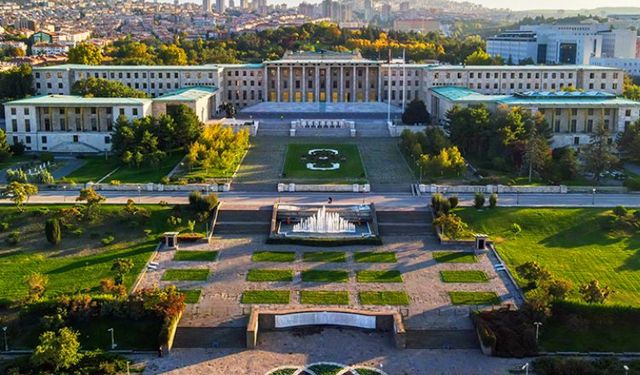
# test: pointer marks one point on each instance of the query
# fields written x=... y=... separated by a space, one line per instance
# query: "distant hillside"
x=558 y=13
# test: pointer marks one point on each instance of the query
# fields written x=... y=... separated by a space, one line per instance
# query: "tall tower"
x=220 y=6
x=206 y=6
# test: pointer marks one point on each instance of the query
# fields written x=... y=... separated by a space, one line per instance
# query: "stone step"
x=418 y=217
x=405 y=229
x=442 y=339
x=244 y=215
x=210 y=337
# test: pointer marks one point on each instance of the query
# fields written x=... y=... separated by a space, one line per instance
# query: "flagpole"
x=404 y=77
x=389 y=88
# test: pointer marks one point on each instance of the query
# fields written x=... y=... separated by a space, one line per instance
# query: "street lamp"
x=113 y=342
x=537 y=324
x=139 y=194
x=525 y=367
x=517 y=198
x=593 y=197
x=6 y=344
x=626 y=369
x=64 y=194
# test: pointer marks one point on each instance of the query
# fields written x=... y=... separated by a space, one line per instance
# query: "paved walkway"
x=352 y=347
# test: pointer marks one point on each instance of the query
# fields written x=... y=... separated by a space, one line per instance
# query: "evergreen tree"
x=5 y=150
x=52 y=231
x=598 y=157
x=416 y=113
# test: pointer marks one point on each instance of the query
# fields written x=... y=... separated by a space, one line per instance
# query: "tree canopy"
x=85 y=53
x=104 y=88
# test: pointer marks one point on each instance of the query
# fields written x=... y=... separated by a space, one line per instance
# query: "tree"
x=562 y=166
x=493 y=200
x=16 y=83
x=57 y=351
x=172 y=55
x=598 y=157
x=229 y=109
x=52 y=231
x=37 y=284
x=416 y=113
x=533 y=273
x=451 y=225
x=86 y=54
x=93 y=199
x=630 y=90
x=20 y=192
x=434 y=140
x=5 y=150
x=592 y=292
x=188 y=126
x=104 y=88
x=629 y=141
x=558 y=289
x=478 y=200
x=121 y=267
x=480 y=57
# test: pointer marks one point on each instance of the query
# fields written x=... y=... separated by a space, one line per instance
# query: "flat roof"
x=569 y=101
x=518 y=67
x=127 y=67
x=79 y=101
x=464 y=94
x=188 y=94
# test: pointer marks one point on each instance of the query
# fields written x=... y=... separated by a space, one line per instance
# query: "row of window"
x=44 y=140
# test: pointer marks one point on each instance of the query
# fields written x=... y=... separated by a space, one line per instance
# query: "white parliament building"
x=307 y=85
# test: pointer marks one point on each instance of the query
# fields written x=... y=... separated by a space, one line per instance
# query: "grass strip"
x=391 y=276
x=375 y=257
x=186 y=275
x=474 y=298
x=384 y=298
x=325 y=256
x=325 y=276
x=454 y=257
x=269 y=275
x=274 y=256
x=463 y=277
x=195 y=256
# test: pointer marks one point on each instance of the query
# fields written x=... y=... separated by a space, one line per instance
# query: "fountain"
x=324 y=222
x=321 y=225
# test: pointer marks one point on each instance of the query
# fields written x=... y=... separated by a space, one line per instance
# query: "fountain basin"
x=324 y=225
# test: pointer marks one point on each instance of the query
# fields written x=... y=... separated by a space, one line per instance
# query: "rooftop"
x=77 y=101
x=188 y=94
x=126 y=67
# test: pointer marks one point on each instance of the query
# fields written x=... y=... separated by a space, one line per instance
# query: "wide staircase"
x=273 y=128
x=210 y=337
x=243 y=222
x=404 y=223
x=371 y=128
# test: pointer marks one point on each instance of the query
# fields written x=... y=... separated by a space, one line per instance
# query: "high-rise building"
x=206 y=6
x=327 y=8
x=368 y=10
x=220 y=6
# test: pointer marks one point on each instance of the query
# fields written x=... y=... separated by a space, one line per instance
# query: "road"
x=396 y=201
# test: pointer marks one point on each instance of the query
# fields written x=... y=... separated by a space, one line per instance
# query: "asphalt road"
x=252 y=200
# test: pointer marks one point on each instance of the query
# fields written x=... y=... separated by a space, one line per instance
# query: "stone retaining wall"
x=488 y=189
x=337 y=188
x=142 y=187
x=386 y=321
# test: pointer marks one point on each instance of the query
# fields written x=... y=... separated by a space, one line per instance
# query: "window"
x=27 y=125
x=13 y=111
x=43 y=139
x=135 y=111
x=576 y=140
x=14 y=125
x=589 y=126
x=28 y=139
x=107 y=140
x=75 y=139
x=26 y=111
x=627 y=113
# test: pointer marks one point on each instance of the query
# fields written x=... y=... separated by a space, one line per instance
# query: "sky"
x=555 y=4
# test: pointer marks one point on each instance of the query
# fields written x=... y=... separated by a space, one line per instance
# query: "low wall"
x=389 y=321
x=142 y=187
x=552 y=189
x=342 y=188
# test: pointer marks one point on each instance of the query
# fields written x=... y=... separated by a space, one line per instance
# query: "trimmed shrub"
x=202 y=204
x=620 y=211
x=52 y=231
x=478 y=200
x=14 y=237
x=493 y=200
x=453 y=201
x=632 y=183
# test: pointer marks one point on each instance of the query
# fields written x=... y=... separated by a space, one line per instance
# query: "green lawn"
x=569 y=242
x=195 y=256
x=325 y=256
x=270 y=275
x=454 y=257
x=351 y=169
x=16 y=160
x=191 y=295
x=80 y=261
x=474 y=298
x=375 y=257
x=391 y=276
x=325 y=276
x=274 y=256
x=266 y=296
x=312 y=297
x=97 y=167
x=463 y=276
x=185 y=275
x=384 y=298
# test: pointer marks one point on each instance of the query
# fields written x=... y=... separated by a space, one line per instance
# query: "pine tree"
x=52 y=231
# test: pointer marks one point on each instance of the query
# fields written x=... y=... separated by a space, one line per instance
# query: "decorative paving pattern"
x=331 y=368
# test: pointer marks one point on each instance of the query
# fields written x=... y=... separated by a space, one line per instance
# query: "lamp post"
x=593 y=197
x=113 y=342
x=64 y=194
x=525 y=367
x=139 y=194
x=517 y=198
x=626 y=369
x=537 y=324
x=6 y=343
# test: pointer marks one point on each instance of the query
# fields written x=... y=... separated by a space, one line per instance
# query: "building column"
x=304 y=84
x=380 y=83
x=278 y=85
x=316 y=84
x=265 y=86
x=366 y=83
x=341 y=84
x=327 y=80
x=290 y=83
x=353 y=85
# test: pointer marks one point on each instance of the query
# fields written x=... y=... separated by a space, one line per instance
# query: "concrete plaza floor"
x=319 y=108
x=350 y=347
x=430 y=307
